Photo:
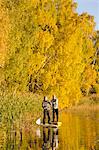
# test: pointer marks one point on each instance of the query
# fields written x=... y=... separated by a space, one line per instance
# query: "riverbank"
x=83 y=108
x=88 y=103
x=19 y=107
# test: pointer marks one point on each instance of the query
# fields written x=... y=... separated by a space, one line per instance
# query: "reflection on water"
x=50 y=139
x=78 y=132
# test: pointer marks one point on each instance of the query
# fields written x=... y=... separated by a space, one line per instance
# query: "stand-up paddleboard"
x=53 y=125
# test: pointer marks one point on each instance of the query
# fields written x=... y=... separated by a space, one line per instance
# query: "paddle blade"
x=38 y=121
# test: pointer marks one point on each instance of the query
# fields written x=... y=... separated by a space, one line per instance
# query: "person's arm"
x=42 y=104
x=57 y=102
x=49 y=102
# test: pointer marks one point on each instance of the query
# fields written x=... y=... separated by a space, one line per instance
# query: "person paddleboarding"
x=54 y=102
x=46 y=110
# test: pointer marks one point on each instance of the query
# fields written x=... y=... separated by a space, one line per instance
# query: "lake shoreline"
x=82 y=108
x=86 y=103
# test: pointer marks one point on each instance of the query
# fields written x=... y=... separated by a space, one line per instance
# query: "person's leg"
x=48 y=114
x=44 y=116
x=53 y=115
x=57 y=114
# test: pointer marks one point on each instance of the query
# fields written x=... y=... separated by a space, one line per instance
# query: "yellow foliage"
x=50 y=48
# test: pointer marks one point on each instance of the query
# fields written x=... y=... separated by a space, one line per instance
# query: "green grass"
x=19 y=107
x=18 y=114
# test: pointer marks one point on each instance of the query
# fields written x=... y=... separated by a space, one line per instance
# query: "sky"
x=90 y=6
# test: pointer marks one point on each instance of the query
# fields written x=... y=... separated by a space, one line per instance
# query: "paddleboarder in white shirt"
x=54 y=108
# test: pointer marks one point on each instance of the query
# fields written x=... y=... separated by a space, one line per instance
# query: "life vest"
x=55 y=103
x=46 y=105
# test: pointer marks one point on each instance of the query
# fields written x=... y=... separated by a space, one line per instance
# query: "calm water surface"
x=78 y=132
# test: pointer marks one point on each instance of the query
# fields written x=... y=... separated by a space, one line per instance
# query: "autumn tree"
x=50 y=48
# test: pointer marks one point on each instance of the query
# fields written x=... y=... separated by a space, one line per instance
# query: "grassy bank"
x=19 y=107
x=18 y=113
x=88 y=103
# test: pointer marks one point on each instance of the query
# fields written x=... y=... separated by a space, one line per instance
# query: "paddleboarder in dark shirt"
x=46 y=107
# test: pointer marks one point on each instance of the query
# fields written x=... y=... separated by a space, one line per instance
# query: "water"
x=77 y=132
